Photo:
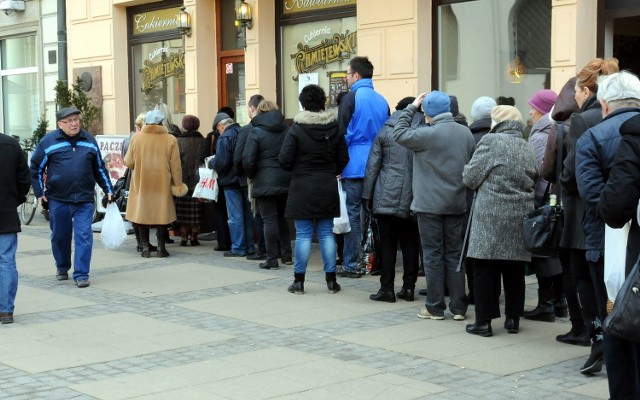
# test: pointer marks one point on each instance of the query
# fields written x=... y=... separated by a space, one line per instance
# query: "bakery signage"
x=335 y=49
x=297 y=6
x=156 y=21
x=169 y=65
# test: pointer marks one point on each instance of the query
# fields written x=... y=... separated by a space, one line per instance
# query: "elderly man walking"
x=72 y=161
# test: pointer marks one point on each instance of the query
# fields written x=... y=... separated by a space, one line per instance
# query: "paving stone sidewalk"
x=197 y=325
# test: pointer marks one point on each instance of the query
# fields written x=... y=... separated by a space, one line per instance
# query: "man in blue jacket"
x=362 y=113
x=14 y=186
x=238 y=207
x=619 y=95
x=71 y=159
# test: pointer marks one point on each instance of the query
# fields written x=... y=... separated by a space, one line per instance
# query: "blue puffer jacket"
x=595 y=153
x=72 y=169
x=362 y=113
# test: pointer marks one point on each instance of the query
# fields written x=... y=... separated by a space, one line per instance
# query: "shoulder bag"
x=542 y=228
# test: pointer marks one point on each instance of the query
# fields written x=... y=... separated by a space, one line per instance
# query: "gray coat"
x=503 y=171
x=389 y=172
x=441 y=151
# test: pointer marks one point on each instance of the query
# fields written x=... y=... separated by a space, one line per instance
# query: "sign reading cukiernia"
x=297 y=6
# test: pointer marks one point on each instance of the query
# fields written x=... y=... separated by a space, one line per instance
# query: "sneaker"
x=232 y=254
x=287 y=261
x=348 y=274
x=82 y=283
x=425 y=314
x=256 y=256
x=459 y=317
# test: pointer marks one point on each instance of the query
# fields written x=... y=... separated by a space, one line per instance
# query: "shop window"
x=494 y=48
x=20 y=90
x=316 y=52
x=231 y=35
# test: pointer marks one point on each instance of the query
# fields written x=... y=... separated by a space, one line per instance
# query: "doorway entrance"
x=620 y=37
x=232 y=87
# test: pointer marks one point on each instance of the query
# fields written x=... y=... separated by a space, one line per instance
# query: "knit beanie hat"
x=482 y=107
x=436 y=103
x=505 y=113
x=190 y=123
x=543 y=100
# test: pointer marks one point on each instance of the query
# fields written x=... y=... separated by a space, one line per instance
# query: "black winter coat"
x=619 y=200
x=190 y=144
x=260 y=155
x=15 y=180
x=315 y=154
x=243 y=135
x=573 y=205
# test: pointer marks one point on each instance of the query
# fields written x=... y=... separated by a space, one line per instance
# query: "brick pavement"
x=199 y=326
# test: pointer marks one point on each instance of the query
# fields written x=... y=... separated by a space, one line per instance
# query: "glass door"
x=233 y=87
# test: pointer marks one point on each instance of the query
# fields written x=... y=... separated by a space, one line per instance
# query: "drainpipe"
x=62 y=42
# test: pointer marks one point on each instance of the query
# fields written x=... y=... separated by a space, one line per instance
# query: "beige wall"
x=573 y=38
x=397 y=40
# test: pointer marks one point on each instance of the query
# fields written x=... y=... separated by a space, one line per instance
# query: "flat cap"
x=65 y=112
x=219 y=118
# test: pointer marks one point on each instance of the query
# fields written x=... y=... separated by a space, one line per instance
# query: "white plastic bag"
x=114 y=231
x=341 y=223
x=207 y=187
x=615 y=257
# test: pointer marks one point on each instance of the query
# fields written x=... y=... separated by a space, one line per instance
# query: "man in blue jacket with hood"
x=362 y=113
x=73 y=164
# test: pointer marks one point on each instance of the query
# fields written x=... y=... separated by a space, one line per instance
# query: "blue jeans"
x=240 y=221
x=69 y=219
x=304 y=234
x=353 y=188
x=8 y=271
x=441 y=238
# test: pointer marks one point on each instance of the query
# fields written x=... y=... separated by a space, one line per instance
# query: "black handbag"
x=624 y=319
x=121 y=191
x=542 y=228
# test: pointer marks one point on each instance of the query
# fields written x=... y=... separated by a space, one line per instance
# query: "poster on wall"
x=306 y=80
x=337 y=85
x=111 y=152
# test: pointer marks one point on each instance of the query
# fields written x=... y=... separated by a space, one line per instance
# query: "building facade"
x=138 y=57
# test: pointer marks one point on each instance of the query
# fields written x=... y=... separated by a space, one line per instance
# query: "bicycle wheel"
x=28 y=208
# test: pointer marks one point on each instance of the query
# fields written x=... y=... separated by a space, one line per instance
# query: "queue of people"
x=422 y=172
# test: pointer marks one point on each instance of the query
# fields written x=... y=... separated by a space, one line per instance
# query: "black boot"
x=332 y=286
x=143 y=231
x=577 y=335
x=297 y=286
x=595 y=360
x=544 y=311
x=162 y=235
x=560 y=306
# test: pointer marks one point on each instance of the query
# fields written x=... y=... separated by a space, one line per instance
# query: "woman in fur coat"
x=155 y=159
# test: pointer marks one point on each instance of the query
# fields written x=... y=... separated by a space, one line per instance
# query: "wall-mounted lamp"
x=243 y=19
x=184 y=22
x=11 y=6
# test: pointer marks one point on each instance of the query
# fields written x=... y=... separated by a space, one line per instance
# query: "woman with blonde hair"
x=269 y=181
x=573 y=234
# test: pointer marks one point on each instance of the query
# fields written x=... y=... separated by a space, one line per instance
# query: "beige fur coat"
x=154 y=158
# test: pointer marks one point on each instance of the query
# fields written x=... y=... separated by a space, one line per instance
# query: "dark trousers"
x=220 y=221
x=258 y=224
x=276 y=228
x=569 y=287
x=584 y=287
x=622 y=359
x=393 y=229
x=486 y=275
x=597 y=277
x=441 y=239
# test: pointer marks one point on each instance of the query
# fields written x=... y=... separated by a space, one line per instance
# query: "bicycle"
x=28 y=208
